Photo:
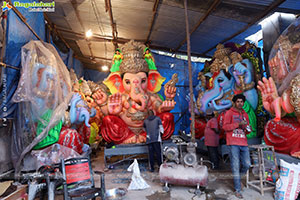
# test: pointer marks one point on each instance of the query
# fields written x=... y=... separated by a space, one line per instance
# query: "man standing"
x=211 y=137
x=235 y=125
x=154 y=128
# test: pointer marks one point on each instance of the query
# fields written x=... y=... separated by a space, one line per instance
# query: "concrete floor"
x=220 y=185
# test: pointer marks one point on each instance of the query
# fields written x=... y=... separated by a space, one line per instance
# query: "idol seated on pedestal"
x=133 y=94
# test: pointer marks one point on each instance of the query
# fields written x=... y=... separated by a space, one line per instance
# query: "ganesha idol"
x=133 y=94
x=281 y=93
x=227 y=75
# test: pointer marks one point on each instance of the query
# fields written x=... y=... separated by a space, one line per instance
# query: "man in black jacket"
x=154 y=128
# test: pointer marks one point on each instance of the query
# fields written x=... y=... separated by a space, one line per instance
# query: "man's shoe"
x=238 y=195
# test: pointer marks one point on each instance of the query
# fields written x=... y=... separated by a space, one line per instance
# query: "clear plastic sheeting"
x=45 y=81
x=17 y=35
x=53 y=155
x=45 y=90
x=284 y=60
x=23 y=132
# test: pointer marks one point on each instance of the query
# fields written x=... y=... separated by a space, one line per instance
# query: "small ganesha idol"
x=133 y=94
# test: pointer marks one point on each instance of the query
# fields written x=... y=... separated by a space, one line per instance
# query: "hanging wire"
x=105 y=49
x=89 y=22
x=98 y=17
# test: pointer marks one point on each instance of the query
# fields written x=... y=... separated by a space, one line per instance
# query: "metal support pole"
x=190 y=71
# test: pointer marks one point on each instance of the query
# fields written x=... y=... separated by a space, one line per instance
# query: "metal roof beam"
x=102 y=58
x=53 y=28
x=74 y=37
x=112 y=23
x=208 y=12
x=173 y=51
x=255 y=20
x=96 y=37
x=124 y=40
x=74 y=5
x=154 y=10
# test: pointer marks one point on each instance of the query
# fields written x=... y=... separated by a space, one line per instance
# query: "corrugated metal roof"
x=134 y=17
x=169 y=28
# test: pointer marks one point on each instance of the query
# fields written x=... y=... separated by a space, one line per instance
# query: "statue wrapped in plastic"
x=44 y=92
x=281 y=92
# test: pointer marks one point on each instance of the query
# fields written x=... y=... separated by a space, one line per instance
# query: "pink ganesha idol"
x=133 y=93
x=281 y=93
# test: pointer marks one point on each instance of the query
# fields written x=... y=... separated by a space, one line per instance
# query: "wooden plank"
x=19 y=194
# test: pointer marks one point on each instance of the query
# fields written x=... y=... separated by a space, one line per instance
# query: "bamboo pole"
x=190 y=71
x=3 y=44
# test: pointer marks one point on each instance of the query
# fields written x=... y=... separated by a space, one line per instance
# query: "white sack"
x=288 y=184
x=137 y=182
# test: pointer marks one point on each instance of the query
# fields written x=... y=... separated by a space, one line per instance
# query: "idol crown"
x=134 y=61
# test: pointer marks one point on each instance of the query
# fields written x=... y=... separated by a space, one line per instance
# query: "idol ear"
x=114 y=83
x=154 y=81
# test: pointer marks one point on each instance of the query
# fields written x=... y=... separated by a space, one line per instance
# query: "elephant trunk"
x=209 y=96
x=85 y=116
x=140 y=99
x=79 y=112
x=73 y=115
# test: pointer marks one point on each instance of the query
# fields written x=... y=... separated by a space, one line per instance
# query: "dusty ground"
x=220 y=185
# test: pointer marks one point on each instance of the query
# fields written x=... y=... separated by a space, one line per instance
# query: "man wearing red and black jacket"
x=236 y=123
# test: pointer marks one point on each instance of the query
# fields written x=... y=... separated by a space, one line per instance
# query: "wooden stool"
x=262 y=184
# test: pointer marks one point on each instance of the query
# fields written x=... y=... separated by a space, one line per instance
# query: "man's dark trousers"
x=154 y=148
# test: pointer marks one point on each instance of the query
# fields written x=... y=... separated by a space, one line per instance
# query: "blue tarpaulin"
x=70 y=61
x=167 y=66
x=94 y=75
